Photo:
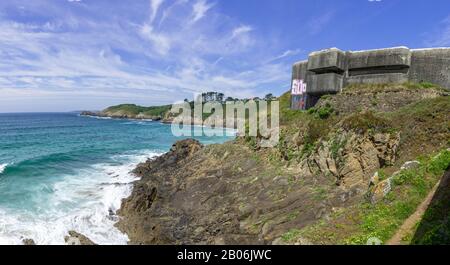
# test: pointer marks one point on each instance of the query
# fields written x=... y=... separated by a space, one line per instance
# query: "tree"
x=220 y=97
x=212 y=96
x=269 y=96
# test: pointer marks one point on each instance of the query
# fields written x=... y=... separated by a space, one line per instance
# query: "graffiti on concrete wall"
x=298 y=94
x=298 y=87
x=299 y=102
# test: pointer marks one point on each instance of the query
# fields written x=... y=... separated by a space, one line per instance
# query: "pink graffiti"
x=298 y=87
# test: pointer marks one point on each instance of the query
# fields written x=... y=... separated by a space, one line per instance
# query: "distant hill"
x=132 y=111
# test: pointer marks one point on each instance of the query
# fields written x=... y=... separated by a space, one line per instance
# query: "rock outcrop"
x=28 y=242
x=241 y=193
x=75 y=238
x=351 y=158
x=208 y=195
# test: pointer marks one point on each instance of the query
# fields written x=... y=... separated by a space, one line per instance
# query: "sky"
x=65 y=55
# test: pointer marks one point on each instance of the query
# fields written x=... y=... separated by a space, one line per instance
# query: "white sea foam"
x=2 y=167
x=85 y=202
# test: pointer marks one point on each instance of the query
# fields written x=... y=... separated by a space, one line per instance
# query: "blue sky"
x=62 y=55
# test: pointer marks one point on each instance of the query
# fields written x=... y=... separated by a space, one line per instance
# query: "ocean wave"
x=96 y=117
x=138 y=122
x=85 y=202
x=3 y=167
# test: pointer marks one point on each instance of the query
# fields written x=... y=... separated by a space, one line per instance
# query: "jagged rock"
x=361 y=156
x=266 y=228
x=75 y=238
x=28 y=242
x=374 y=180
x=379 y=190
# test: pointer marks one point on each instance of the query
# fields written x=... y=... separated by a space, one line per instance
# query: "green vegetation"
x=336 y=145
x=365 y=121
x=357 y=224
x=322 y=112
x=291 y=235
x=134 y=110
x=410 y=188
x=390 y=87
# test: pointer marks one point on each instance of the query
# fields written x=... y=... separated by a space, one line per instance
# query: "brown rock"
x=28 y=242
x=75 y=238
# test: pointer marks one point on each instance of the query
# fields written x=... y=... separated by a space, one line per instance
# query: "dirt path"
x=409 y=223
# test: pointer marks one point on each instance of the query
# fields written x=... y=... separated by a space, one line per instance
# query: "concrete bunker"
x=329 y=71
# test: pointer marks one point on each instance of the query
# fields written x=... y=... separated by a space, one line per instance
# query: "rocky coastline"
x=122 y=116
x=239 y=193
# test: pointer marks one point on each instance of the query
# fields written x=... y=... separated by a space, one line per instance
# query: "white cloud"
x=154 y=6
x=285 y=54
x=73 y=56
x=241 y=30
x=199 y=9
x=161 y=43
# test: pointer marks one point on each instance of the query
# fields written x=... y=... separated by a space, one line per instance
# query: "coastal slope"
x=341 y=174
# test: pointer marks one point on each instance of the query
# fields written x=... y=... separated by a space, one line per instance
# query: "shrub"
x=363 y=122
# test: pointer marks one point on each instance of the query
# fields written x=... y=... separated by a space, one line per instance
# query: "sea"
x=62 y=171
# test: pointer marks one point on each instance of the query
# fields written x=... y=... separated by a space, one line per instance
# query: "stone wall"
x=330 y=71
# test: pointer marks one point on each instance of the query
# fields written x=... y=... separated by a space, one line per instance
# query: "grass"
x=336 y=146
x=355 y=225
x=365 y=121
x=290 y=235
x=383 y=87
x=410 y=188
x=322 y=112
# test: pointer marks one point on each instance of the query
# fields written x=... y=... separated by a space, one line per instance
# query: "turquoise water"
x=61 y=172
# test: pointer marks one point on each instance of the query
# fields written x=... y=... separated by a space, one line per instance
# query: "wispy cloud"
x=441 y=35
x=154 y=6
x=199 y=9
x=285 y=54
x=156 y=57
x=241 y=30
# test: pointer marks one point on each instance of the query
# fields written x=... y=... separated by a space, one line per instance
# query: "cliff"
x=341 y=174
